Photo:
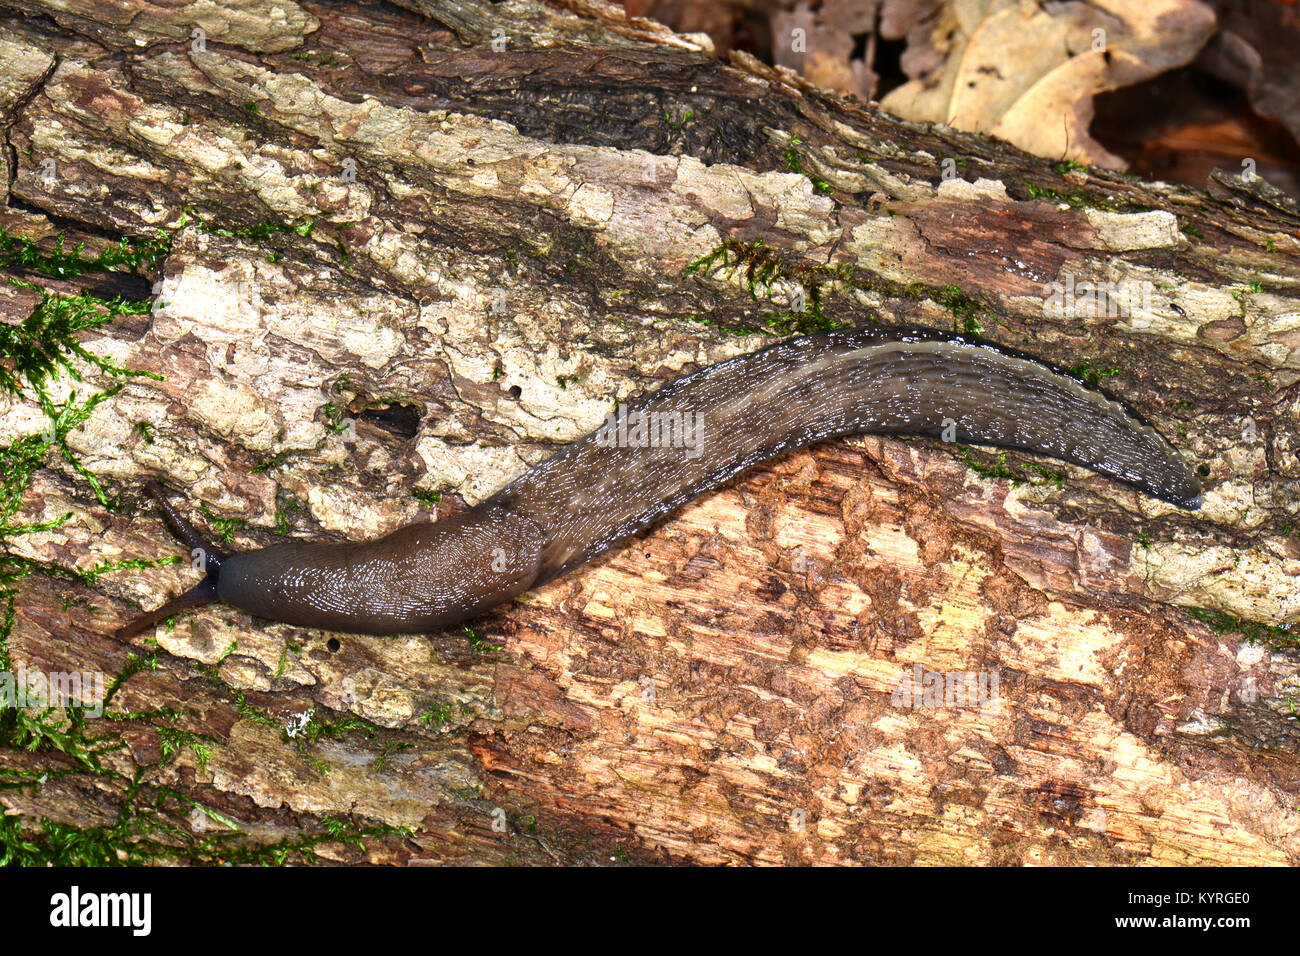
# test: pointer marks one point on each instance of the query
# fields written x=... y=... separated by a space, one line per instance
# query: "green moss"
x=151 y=827
x=1049 y=476
x=800 y=323
x=1253 y=288
x=335 y=416
x=965 y=311
x=262 y=231
x=999 y=469
x=256 y=714
x=126 y=564
x=275 y=461
x=478 y=645
x=223 y=528
x=50 y=730
x=289 y=648
x=794 y=163
x=439 y=715
x=45 y=344
x=20 y=459
x=1077 y=198
x=387 y=750
x=436 y=716
x=286 y=507
x=1252 y=632
x=1093 y=373
x=678 y=125
x=172 y=741
x=34 y=352
x=151 y=823
x=763 y=268
x=128 y=254
x=135 y=663
x=317 y=727
x=313 y=727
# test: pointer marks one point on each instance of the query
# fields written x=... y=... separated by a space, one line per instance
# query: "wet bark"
x=400 y=258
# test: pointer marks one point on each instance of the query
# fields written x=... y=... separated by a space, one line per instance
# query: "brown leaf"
x=1027 y=73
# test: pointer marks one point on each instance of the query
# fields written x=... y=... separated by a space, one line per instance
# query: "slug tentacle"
x=205 y=592
x=185 y=532
x=676 y=443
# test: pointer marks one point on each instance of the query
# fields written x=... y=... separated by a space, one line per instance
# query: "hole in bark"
x=397 y=419
x=515 y=391
x=333 y=644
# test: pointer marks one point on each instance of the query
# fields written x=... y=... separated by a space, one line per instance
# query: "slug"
x=670 y=446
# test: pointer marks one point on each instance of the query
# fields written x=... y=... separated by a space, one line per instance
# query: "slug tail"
x=698 y=432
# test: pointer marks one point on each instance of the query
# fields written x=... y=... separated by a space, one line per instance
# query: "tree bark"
x=402 y=253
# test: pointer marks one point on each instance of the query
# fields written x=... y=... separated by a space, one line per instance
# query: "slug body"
x=672 y=445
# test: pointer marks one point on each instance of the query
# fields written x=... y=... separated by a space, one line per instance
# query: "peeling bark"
x=474 y=252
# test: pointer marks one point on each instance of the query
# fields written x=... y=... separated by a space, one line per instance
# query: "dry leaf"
x=820 y=43
x=1027 y=72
